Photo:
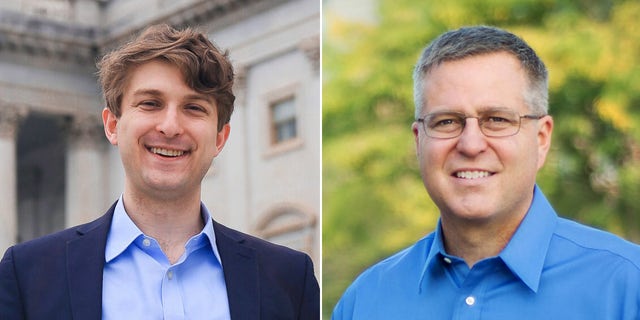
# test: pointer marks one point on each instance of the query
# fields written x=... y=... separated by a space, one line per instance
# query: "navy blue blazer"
x=59 y=276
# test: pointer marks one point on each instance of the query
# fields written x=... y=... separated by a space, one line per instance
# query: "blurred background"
x=374 y=203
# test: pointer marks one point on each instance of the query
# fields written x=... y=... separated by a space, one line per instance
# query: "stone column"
x=311 y=49
x=85 y=171
x=9 y=120
x=239 y=183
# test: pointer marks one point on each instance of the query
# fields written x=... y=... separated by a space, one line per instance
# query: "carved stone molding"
x=40 y=37
x=86 y=131
x=71 y=41
x=10 y=116
x=311 y=49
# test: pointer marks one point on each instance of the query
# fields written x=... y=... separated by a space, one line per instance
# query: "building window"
x=283 y=120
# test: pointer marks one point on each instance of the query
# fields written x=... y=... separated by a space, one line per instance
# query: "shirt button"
x=146 y=242
x=447 y=260
x=470 y=300
x=170 y=274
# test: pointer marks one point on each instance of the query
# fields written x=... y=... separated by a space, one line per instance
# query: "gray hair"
x=477 y=40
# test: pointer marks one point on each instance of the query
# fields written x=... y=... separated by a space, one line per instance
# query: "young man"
x=157 y=253
x=482 y=132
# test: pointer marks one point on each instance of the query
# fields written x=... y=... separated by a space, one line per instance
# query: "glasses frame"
x=464 y=118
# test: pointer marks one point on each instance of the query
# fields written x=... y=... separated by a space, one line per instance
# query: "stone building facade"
x=58 y=169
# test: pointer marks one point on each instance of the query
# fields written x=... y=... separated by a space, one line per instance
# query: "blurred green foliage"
x=374 y=202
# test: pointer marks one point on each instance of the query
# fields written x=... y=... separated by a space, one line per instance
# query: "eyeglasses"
x=492 y=123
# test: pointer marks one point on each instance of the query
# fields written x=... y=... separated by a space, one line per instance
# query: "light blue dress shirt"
x=552 y=268
x=140 y=283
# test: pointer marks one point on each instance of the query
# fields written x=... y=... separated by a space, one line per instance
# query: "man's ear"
x=221 y=138
x=110 y=122
x=416 y=136
x=545 y=129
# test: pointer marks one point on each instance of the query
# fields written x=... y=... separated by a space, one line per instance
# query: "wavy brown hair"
x=205 y=68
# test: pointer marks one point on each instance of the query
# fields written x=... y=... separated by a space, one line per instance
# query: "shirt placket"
x=472 y=292
x=172 y=304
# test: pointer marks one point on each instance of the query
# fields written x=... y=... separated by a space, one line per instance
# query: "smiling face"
x=472 y=177
x=167 y=133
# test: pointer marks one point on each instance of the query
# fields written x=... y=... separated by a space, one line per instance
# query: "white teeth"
x=167 y=152
x=472 y=174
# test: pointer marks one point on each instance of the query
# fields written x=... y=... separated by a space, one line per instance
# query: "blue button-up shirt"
x=552 y=268
x=140 y=283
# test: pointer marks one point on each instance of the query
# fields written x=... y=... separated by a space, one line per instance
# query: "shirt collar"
x=436 y=251
x=525 y=253
x=209 y=232
x=437 y=246
x=124 y=232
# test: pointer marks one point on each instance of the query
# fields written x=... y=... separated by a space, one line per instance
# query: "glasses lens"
x=499 y=123
x=444 y=124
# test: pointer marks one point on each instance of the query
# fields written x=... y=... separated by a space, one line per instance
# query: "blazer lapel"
x=85 y=263
x=240 y=273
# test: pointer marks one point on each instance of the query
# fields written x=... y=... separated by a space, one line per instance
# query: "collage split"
x=319 y=159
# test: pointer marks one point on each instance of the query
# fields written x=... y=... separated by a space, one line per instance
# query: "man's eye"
x=500 y=119
x=194 y=107
x=497 y=119
x=149 y=103
x=443 y=122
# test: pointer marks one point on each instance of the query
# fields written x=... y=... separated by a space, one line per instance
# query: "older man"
x=499 y=251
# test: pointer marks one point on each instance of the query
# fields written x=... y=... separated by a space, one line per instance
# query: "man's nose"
x=471 y=141
x=170 y=122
